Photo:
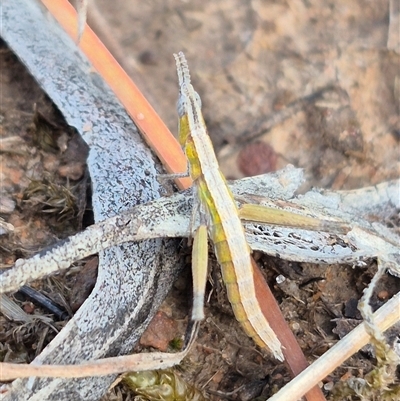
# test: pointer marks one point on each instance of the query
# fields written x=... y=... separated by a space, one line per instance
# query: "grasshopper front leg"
x=199 y=272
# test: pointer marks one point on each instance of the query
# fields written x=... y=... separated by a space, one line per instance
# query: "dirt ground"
x=315 y=84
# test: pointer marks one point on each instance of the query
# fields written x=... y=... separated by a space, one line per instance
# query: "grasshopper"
x=218 y=212
x=220 y=217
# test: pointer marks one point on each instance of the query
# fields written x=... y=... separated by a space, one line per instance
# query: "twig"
x=44 y=301
x=101 y=367
x=384 y=318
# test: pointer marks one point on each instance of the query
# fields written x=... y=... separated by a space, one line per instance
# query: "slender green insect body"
x=223 y=223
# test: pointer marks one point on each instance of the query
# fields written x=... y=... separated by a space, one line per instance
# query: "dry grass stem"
x=384 y=318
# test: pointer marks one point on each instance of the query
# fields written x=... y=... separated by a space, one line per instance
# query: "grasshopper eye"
x=198 y=99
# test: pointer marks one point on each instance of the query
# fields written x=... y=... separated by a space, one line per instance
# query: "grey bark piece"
x=133 y=278
x=366 y=240
x=171 y=216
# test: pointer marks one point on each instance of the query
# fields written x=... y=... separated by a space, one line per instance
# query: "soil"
x=311 y=83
